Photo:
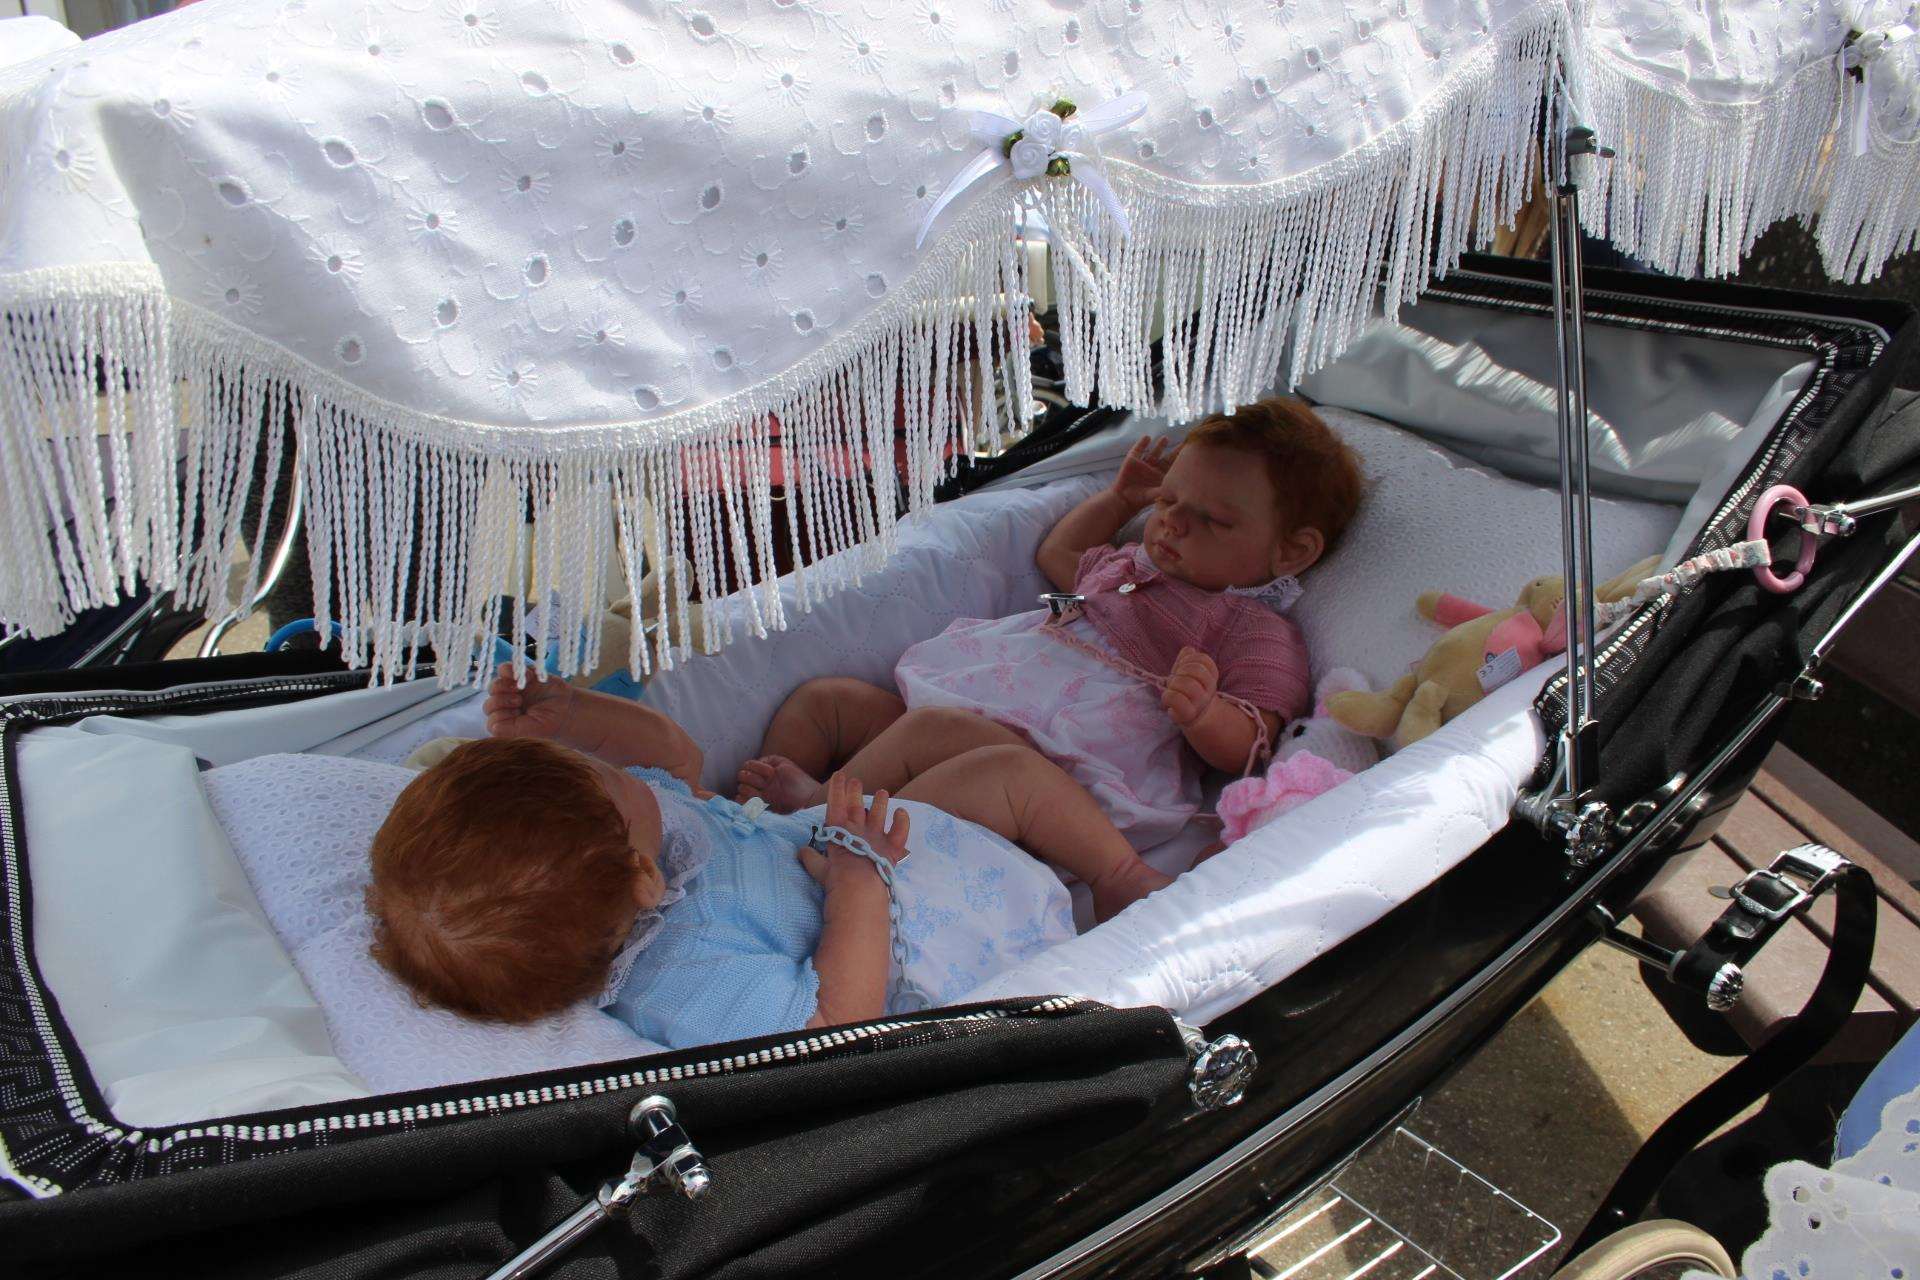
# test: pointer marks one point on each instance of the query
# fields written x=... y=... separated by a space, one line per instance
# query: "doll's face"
x=1216 y=523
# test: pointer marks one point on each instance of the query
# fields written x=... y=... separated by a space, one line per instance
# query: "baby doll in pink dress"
x=1178 y=653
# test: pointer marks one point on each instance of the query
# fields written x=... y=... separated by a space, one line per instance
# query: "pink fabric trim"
x=1251 y=803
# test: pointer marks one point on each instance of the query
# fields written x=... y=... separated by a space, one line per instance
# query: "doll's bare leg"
x=1021 y=795
x=920 y=739
x=815 y=731
x=824 y=721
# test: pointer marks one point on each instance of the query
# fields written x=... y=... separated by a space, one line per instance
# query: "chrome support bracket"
x=1221 y=1069
x=1840 y=519
x=1586 y=826
x=665 y=1157
x=1567 y=806
x=1723 y=988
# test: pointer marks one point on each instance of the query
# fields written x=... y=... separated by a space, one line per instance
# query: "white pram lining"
x=1221 y=934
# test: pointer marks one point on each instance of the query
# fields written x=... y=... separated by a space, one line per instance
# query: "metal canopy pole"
x=1570 y=807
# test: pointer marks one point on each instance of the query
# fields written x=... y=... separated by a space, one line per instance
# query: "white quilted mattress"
x=1244 y=920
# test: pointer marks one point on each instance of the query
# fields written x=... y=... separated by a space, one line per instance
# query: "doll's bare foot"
x=1123 y=886
x=784 y=785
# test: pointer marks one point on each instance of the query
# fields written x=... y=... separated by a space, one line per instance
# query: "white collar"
x=682 y=854
x=1278 y=595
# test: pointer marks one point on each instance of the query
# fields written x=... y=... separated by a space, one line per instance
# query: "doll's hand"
x=1191 y=686
x=540 y=710
x=1144 y=471
x=845 y=809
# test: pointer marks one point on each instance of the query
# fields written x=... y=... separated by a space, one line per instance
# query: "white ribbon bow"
x=1860 y=53
x=1043 y=138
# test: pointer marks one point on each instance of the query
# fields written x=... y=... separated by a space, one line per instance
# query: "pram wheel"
x=1662 y=1249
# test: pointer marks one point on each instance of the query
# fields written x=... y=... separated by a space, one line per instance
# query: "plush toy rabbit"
x=1316 y=753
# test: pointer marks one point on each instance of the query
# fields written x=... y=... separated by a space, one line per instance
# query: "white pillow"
x=302 y=827
x=183 y=1003
x=1433 y=520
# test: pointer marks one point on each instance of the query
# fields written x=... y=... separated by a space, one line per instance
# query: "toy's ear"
x=1297 y=552
x=1543 y=595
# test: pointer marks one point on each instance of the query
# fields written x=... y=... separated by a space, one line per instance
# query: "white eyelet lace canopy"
x=480 y=259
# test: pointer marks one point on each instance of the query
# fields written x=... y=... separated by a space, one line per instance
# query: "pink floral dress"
x=1105 y=728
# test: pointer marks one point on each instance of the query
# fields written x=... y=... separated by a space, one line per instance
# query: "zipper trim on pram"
x=1843 y=350
x=65 y=1136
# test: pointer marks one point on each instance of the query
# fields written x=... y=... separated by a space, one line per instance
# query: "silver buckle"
x=1775 y=914
x=1816 y=864
x=1807 y=870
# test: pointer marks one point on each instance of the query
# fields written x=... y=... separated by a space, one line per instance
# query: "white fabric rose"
x=1042 y=127
x=1029 y=158
x=1076 y=140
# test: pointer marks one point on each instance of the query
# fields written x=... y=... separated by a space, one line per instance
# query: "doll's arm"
x=1100 y=517
x=1218 y=731
x=627 y=733
x=1223 y=735
x=619 y=731
x=855 y=953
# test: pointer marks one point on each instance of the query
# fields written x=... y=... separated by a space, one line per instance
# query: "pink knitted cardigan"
x=1148 y=617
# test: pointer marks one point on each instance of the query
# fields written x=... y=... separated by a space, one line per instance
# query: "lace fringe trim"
x=1694 y=184
x=419 y=526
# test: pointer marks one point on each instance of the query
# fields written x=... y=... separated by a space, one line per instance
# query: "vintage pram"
x=176 y=1100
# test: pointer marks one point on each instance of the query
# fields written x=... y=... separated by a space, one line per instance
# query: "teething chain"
x=1261 y=747
x=905 y=990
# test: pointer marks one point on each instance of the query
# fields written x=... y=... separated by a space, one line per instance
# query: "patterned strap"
x=1741 y=555
x=907 y=996
x=1261 y=748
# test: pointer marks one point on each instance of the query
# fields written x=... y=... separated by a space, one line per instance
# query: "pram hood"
x=475 y=260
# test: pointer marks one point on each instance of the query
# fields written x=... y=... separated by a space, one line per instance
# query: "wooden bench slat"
x=1824 y=810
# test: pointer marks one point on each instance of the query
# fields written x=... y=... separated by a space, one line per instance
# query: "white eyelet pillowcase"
x=302 y=827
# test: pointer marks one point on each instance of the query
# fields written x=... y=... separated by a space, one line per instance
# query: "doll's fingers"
x=843 y=799
x=877 y=814
x=813 y=862
x=898 y=832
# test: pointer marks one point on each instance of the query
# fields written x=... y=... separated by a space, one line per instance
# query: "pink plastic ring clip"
x=1757 y=528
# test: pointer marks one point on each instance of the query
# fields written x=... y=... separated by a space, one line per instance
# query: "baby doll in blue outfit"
x=573 y=855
